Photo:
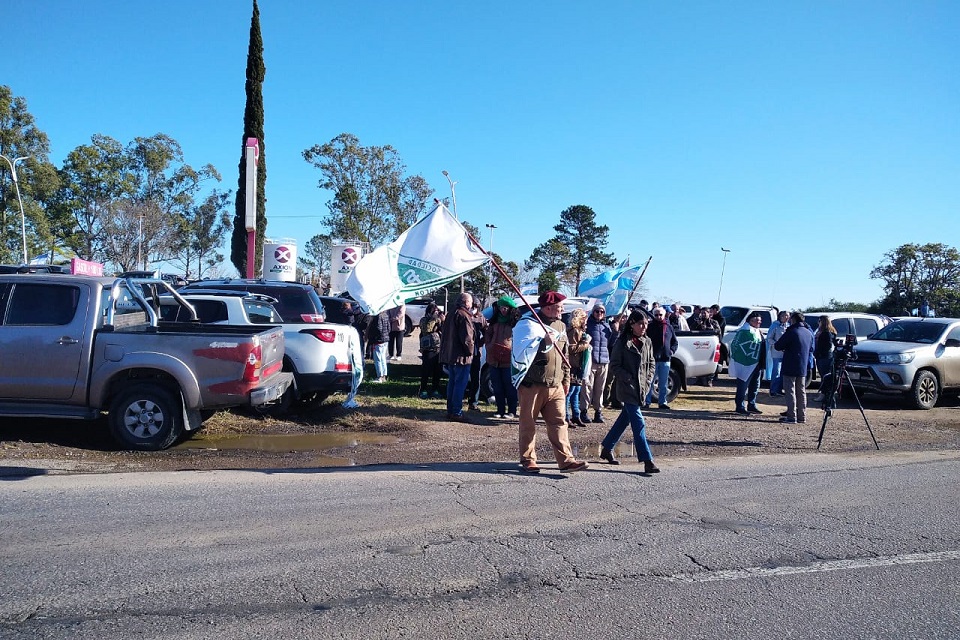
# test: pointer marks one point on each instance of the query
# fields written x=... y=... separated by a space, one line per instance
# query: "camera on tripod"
x=843 y=348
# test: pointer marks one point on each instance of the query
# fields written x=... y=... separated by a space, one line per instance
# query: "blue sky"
x=808 y=138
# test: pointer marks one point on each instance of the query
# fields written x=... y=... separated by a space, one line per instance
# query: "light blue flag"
x=602 y=284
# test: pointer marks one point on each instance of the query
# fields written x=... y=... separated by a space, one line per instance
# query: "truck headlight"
x=896 y=358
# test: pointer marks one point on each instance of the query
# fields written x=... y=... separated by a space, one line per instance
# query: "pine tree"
x=252 y=128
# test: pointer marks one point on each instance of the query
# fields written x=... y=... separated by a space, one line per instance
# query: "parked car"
x=862 y=325
x=415 y=310
x=172 y=279
x=75 y=346
x=317 y=351
x=918 y=358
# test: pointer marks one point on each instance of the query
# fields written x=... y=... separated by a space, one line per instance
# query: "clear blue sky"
x=808 y=138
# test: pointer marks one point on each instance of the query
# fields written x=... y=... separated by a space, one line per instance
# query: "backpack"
x=429 y=335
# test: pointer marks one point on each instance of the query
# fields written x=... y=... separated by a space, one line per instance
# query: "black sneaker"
x=753 y=409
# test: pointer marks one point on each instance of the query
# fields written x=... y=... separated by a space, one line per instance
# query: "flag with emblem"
x=612 y=288
x=431 y=253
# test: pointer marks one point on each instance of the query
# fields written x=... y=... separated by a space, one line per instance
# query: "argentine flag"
x=612 y=288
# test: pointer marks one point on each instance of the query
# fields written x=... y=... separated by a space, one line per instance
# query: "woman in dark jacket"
x=633 y=366
x=430 y=325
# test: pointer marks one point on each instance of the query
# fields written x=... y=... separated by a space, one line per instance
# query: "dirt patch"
x=701 y=423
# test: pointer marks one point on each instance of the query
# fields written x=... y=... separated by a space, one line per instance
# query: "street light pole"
x=722 y=269
x=16 y=185
x=490 y=264
x=453 y=195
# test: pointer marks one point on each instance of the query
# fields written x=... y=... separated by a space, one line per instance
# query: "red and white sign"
x=280 y=259
x=85 y=267
x=350 y=256
x=282 y=254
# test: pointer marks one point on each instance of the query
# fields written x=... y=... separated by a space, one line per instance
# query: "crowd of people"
x=590 y=362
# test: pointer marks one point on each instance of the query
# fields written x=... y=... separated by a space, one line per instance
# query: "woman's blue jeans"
x=503 y=389
x=630 y=413
x=776 y=378
x=573 y=401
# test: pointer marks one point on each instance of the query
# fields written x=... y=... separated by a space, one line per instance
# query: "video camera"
x=843 y=348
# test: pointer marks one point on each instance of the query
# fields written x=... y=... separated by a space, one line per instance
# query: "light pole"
x=722 y=269
x=490 y=264
x=453 y=193
x=16 y=185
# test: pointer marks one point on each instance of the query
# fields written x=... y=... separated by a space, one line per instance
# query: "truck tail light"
x=254 y=362
x=343 y=366
x=716 y=354
x=323 y=335
x=312 y=317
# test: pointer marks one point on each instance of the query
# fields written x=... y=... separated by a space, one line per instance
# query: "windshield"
x=733 y=315
x=919 y=331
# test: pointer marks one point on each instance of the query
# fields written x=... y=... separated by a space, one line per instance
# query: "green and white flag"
x=431 y=253
x=745 y=352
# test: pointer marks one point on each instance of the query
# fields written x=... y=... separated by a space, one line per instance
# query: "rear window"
x=42 y=304
x=292 y=301
x=733 y=315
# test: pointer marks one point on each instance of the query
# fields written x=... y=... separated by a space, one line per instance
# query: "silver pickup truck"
x=74 y=346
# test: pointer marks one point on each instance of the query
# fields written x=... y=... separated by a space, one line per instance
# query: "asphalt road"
x=797 y=546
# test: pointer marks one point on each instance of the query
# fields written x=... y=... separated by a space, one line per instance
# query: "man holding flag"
x=540 y=358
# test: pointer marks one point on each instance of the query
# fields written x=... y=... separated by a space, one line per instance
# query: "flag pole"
x=634 y=290
x=516 y=288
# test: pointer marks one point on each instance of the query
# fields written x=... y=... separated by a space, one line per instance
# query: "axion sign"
x=349 y=256
x=282 y=254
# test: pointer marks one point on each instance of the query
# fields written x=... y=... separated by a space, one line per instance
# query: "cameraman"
x=796 y=344
x=824 y=341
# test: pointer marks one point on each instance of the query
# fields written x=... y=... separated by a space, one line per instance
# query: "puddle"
x=296 y=442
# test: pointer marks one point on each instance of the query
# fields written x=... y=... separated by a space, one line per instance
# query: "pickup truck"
x=74 y=346
x=319 y=353
x=698 y=354
x=918 y=358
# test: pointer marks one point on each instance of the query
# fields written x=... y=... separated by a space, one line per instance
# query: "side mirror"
x=952 y=342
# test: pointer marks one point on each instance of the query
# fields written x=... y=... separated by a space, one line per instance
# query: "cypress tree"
x=252 y=128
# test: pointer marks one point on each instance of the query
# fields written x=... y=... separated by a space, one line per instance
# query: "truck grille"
x=867 y=357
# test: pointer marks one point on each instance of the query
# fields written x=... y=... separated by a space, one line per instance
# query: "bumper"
x=326 y=382
x=272 y=388
x=881 y=378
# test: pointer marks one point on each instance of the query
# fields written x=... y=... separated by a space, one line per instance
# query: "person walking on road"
x=632 y=365
x=543 y=389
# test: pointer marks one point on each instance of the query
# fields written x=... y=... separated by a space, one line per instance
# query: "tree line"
x=124 y=204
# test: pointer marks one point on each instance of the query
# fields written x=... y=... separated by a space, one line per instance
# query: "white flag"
x=428 y=255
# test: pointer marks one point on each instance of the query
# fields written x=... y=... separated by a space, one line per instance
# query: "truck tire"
x=674 y=384
x=925 y=391
x=407 y=326
x=145 y=417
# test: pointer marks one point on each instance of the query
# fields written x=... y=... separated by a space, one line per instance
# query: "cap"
x=755 y=314
x=507 y=301
x=550 y=297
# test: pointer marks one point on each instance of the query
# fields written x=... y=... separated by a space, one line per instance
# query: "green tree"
x=577 y=247
x=93 y=178
x=36 y=177
x=315 y=259
x=373 y=201
x=203 y=228
x=252 y=128
x=914 y=272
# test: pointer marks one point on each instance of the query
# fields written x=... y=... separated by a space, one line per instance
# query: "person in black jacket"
x=664 y=343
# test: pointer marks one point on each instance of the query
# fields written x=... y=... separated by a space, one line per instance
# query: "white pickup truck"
x=698 y=354
x=317 y=353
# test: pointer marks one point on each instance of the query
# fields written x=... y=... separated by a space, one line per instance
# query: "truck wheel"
x=407 y=326
x=673 y=385
x=280 y=407
x=925 y=391
x=145 y=417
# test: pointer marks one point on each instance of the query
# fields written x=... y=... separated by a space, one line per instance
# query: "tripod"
x=838 y=374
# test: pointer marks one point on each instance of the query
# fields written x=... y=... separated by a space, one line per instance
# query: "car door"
x=42 y=340
x=951 y=360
